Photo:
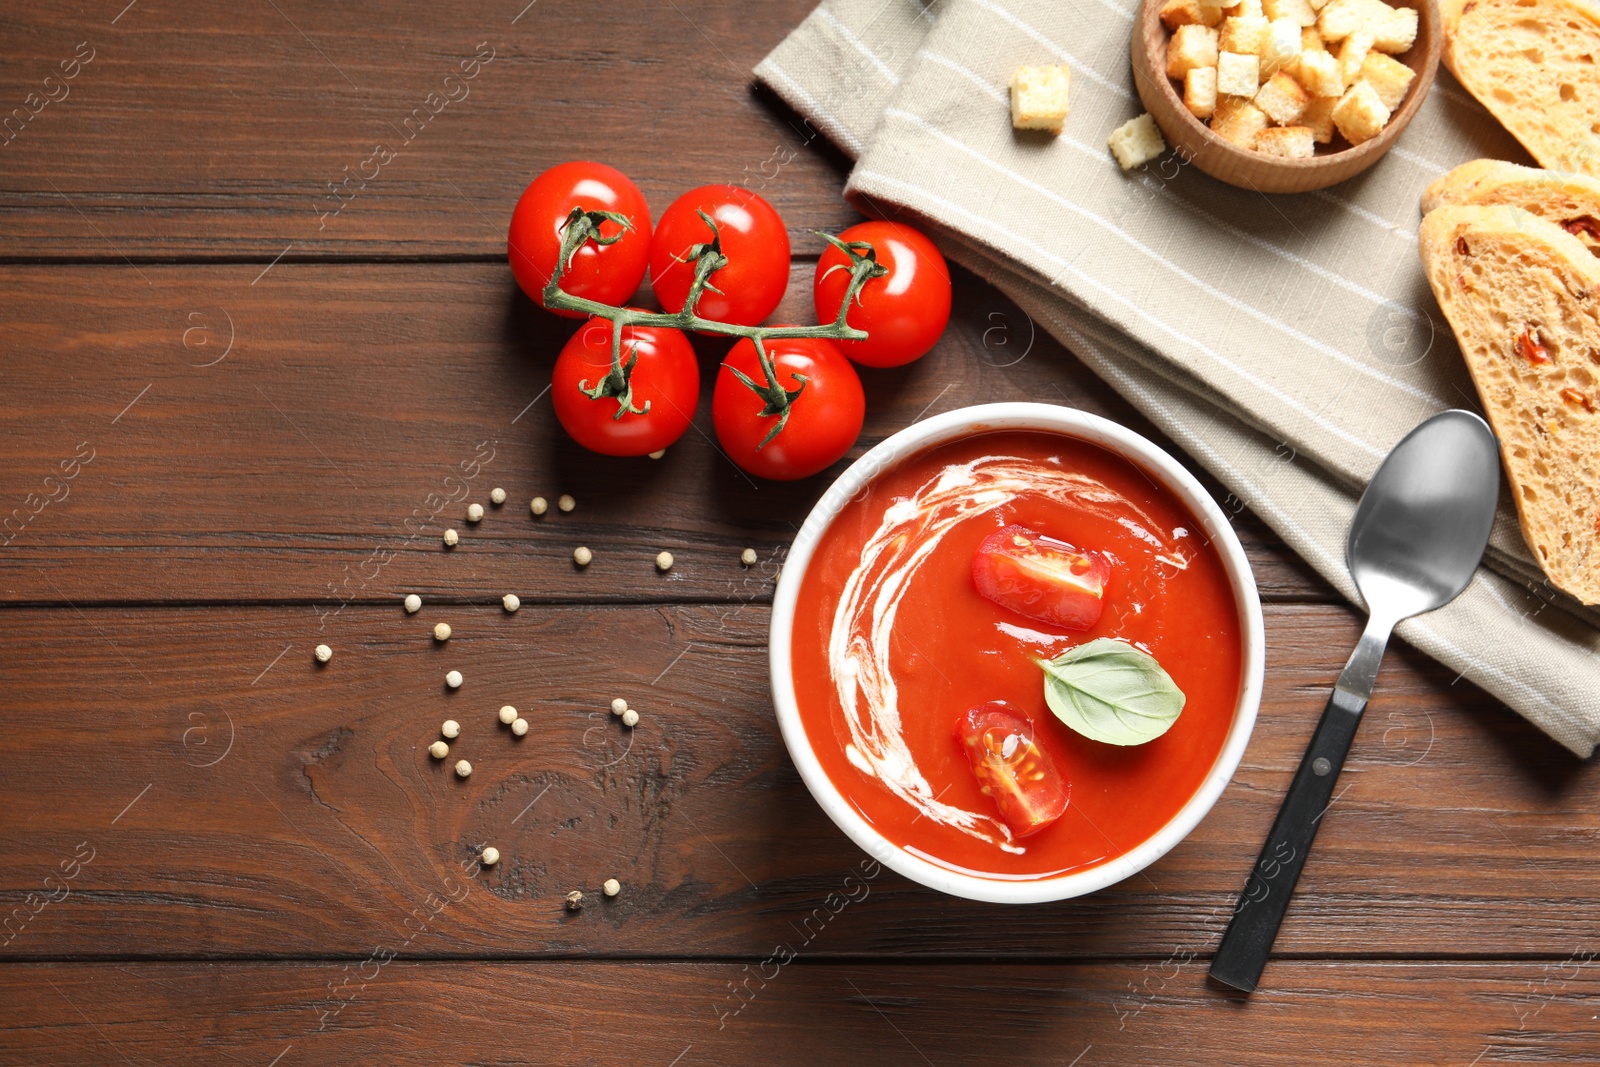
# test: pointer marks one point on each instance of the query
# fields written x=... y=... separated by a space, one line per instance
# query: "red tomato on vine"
x=904 y=311
x=637 y=405
x=608 y=270
x=751 y=238
x=802 y=422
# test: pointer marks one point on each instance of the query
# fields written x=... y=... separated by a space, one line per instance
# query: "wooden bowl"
x=1248 y=169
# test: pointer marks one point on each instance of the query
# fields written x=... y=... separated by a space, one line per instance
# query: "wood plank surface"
x=797 y=1012
x=240 y=799
x=310 y=433
x=215 y=131
x=260 y=385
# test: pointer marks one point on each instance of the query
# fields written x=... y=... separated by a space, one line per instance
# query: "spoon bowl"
x=1436 y=489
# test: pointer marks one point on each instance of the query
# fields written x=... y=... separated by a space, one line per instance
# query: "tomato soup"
x=892 y=644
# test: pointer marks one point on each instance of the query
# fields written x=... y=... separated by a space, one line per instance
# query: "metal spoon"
x=1415 y=542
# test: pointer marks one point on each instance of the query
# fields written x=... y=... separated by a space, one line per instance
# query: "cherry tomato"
x=664 y=380
x=1041 y=577
x=608 y=273
x=752 y=237
x=1012 y=768
x=824 y=419
x=904 y=311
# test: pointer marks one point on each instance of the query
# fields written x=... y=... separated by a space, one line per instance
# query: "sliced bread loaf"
x=1571 y=201
x=1523 y=297
x=1535 y=64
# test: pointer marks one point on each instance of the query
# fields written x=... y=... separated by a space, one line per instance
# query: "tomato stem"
x=778 y=399
x=618 y=381
x=707 y=257
x=584 y=225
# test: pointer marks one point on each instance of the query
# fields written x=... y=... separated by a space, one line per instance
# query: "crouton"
x=1177 y=13
x=1200 y=91
x=1191 y=46
x=1390 y=77
x=1039 y=97
x=1287 y=142
x=1238 y=121
x=1311 y=40
x=1243 y=34
x=1281 y=46
x=1238 y=75
x=1318 y=118
x=1244 y=9
x=1352 y=53
x=1299 y=11
x=1398 y=32
x=1392 y=29
x=1282 y=99
x=1359 y=114
x=1136 y=142
x=1319 y=73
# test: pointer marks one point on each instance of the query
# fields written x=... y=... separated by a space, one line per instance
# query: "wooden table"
x=238 y=407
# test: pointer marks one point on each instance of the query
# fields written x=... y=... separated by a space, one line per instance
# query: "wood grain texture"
x=307 y=461
x=198 y=130
x=217 y=852
x=282 y=808
x=689 y=1014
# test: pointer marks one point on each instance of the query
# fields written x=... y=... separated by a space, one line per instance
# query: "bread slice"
x=1535 y=64
x=1571 y=201
x=1523 y=297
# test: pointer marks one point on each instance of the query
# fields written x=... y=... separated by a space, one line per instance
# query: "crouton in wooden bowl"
x=1284 y=96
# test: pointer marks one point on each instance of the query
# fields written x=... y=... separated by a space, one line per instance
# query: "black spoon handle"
x=1256 y=918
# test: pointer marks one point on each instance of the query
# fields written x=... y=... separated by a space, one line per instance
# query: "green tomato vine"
x=707 y=258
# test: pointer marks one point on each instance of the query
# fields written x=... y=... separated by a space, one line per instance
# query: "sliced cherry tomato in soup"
x=1041 y=577
x=1012 y=768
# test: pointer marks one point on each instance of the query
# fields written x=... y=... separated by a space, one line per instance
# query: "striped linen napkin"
x=1286 y=342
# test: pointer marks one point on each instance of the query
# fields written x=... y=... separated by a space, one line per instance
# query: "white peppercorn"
x=664 y=561
x=438 y=750
x=538 y=505
x=508 y=715
x=463 y=769
x=510 y=602
x=520 y=727
x=413 y=604
x=497 y=495
x=491 y=856
x=323 y=653
x=451 y=538
x=748 y=557
x=474 y=512
x=453 y=679
x=574 y=900
x=658 y=453
x=565 y=502
x=630 y=718
x=441 y=632
x=582 y=556
x=618 y=706
x=451 y=729
x=612 y=887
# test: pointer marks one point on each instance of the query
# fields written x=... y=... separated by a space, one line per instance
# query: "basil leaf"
x=1109 y=691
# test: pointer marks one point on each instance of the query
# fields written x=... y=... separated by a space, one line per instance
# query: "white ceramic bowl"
x=963 y=423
